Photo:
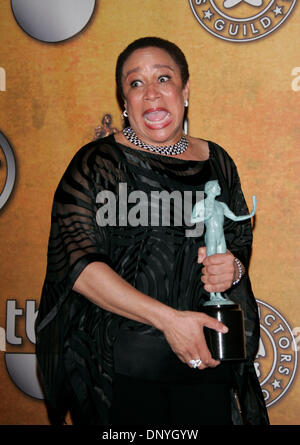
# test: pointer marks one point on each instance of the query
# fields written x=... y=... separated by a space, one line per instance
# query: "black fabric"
x=149 y=357
x=142 y=402
x=75 y=338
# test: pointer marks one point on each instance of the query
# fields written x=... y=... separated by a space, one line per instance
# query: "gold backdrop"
x=244 y=95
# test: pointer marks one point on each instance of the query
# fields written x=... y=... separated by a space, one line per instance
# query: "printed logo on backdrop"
x=276 y=360
x=241 y=20
x=52 y=21
x=22 y=366
x=7 y=170
x=275 y=364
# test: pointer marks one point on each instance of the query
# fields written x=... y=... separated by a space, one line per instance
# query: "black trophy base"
x=229 y=346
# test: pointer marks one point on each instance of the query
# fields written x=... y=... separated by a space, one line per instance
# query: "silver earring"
x=125 y=114
x=186 y=103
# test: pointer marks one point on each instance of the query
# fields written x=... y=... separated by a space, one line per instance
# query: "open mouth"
x=157 y=117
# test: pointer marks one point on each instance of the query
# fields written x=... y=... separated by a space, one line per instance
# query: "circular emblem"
x=241 y=20
x=52 y=20
x=276 y=360
x=22 y=369
x=7 y=162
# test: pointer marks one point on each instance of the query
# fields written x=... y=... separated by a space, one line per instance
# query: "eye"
x=164 y=78
x=135 y=83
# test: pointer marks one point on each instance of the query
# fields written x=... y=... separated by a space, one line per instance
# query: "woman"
x=120 y=330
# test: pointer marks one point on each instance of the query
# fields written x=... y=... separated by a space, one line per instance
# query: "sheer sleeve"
x=75 y=241
x=75 y=238
x=240 y=244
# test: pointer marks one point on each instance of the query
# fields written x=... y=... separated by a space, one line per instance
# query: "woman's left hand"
x=218 y=270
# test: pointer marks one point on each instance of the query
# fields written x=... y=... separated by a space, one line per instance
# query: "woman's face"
x=154 y=96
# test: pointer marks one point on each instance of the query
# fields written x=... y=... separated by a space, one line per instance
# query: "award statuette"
x=229 y=346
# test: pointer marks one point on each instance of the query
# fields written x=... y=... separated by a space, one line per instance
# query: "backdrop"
x=56 y=86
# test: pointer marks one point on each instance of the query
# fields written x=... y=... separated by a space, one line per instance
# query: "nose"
x=151 y=92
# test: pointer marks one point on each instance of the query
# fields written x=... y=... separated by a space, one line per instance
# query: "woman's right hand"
x=184 y=333
x=182 y=329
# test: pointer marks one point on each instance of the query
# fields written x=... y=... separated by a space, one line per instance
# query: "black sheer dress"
x=80 y=346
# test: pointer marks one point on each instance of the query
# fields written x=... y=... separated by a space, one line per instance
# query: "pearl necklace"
x=174 y=149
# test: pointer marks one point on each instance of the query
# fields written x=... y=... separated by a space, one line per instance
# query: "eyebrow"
x=163 y=66
x=157 y=65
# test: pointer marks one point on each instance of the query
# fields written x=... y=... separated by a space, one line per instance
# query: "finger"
x=212 y=363
x=203 y=353
x=182 y=358
x=218 y=258
x=212 y=323
x=207 y=361
x=200 y=350
x=218 y=287
x=191 y=362
x=219 y=269
x=220 y=276
x=218 y=280
x=201 y=254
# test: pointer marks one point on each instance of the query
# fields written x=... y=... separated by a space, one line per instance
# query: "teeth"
x=151 y=122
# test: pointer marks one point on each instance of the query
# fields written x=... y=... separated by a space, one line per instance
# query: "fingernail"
x=225 y=329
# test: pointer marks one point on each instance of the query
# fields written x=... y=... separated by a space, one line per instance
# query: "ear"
x=186 y=90
x=125 y=104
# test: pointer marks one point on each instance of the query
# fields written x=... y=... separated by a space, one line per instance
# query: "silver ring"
x=195 y=363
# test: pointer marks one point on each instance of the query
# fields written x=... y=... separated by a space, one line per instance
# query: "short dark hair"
x=173 y=50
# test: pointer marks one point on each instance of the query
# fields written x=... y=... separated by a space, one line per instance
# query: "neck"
x=173 y=149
